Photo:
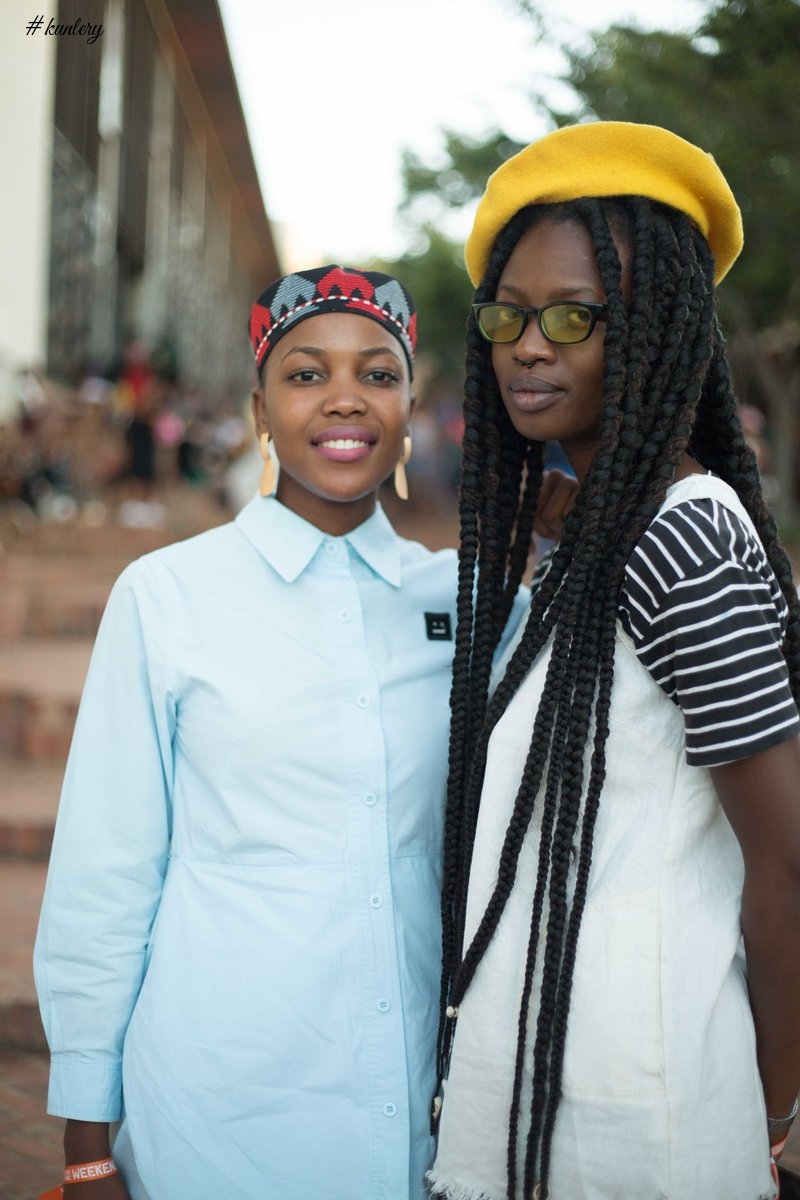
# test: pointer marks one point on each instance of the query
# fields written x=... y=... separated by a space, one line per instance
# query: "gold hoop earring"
x=400 y=479
x=267 y=484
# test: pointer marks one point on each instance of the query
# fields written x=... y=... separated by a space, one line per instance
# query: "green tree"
x=731 y=87
x=467 y=164
x=435 y=276
x=434 y=268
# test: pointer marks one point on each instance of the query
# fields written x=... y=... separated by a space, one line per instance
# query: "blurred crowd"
x=109 y=446
x=113 y=446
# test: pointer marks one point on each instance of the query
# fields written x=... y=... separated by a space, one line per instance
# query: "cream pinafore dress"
x=661 y=1094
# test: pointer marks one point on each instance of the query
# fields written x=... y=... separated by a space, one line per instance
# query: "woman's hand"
x=110 y=1188
x=85 y=1142
x=556 y=500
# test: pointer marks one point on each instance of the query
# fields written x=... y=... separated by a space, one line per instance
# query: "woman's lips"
x=529 y=393
x=344 y=443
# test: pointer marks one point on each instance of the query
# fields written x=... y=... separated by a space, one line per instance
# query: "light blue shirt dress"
x=239 y=946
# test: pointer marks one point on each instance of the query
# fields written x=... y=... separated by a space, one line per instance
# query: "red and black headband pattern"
x=332 y=289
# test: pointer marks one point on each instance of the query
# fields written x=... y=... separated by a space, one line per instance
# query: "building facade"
x=142 y=211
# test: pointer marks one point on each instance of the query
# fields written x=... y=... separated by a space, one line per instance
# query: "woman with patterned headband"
x=621 y=992
x=238 y=953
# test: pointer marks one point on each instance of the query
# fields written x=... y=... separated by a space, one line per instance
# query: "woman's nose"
x=344 y=398
x=532 y=345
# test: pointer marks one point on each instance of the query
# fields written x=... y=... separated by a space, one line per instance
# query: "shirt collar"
x=289 y=543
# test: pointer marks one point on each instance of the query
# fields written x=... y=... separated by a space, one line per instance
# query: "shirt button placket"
x=383 y=1025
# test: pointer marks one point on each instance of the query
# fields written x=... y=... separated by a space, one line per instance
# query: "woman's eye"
x=379 y=375
x=306 y=375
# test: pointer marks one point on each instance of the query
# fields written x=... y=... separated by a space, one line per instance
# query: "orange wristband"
x=83 y=1172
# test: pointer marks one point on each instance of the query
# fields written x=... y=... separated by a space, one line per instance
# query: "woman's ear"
x=259 y=411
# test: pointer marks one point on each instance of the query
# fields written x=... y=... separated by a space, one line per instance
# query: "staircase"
x=54 y=582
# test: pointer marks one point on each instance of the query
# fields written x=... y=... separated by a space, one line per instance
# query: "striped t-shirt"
x=707 y=618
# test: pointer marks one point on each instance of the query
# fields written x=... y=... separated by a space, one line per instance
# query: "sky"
x=334 y=91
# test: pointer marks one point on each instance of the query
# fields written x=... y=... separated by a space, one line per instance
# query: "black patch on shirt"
x=438 y=627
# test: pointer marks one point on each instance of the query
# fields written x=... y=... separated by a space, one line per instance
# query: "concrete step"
x=31 y=1154
x=21 y=889
x=115 y=528
x=40 y=687
x=34 y=537
x=29 y=793
x=74 y=609
x=54 y=596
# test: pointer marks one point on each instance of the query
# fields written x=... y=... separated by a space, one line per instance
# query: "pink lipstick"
x=344 y=443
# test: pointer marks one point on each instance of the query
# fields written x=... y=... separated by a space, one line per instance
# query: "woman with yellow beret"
x=621 y=904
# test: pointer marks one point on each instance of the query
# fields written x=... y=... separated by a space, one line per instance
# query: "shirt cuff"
x=84 y=1089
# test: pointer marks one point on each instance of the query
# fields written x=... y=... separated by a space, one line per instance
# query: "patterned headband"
x=293 y=298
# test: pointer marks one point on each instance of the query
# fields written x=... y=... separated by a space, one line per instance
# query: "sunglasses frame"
x=597 y=312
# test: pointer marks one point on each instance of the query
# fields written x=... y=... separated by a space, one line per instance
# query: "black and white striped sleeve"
x=707 y=618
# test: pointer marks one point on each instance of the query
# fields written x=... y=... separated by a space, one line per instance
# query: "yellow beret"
x=610 y=158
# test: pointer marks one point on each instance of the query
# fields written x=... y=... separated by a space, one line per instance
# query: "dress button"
x=362 y=701
x=390 y=1110
x=376 y=901
x=344 y=614
x=370 y=799
x=384 y=1005
x=330 y=547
